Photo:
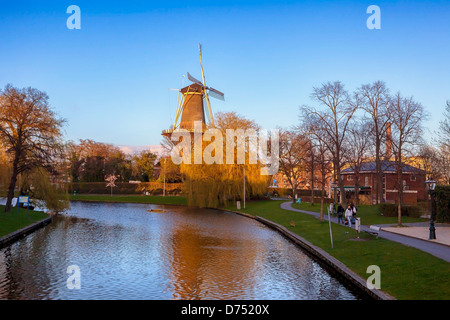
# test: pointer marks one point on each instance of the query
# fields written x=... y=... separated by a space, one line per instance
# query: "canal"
x=126 y=251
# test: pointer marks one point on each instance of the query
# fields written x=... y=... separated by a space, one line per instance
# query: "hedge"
x=391 y=210
x=299 y=192
x=442 y=203
x=153 y=188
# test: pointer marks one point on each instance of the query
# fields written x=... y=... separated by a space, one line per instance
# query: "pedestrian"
x=354 y=210
x=349 y=215
x=340 y=213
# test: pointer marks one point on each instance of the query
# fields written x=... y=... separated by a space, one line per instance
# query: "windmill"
x=190 y=105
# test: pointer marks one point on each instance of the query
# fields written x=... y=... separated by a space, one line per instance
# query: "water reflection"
x=125 y=252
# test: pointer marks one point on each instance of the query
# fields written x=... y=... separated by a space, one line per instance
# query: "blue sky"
x=110 y=79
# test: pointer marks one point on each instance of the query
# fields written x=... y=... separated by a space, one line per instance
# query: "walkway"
x=439 y=250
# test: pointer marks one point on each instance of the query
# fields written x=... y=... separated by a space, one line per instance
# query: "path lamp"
x=431 y=185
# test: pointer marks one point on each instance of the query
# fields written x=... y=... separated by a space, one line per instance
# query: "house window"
x=349 y=177
x=413 y=178
x=366 y=181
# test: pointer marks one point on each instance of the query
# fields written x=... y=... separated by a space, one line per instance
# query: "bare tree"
x=442 y=163
x=356 y=151
x=323 y=167
x=374 y=101
x=310 y=168
x=444 y=128
x=294 y=148
x=407 y=116
x=29 y=130
x=330 y=123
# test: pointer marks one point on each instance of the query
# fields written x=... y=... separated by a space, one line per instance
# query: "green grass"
x=175 y=200
x=369 y=214
x=10 y=222
x=406 y=273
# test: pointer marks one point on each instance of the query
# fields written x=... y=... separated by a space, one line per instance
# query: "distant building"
x=413 y=182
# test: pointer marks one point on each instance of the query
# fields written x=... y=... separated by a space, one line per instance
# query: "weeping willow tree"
x=222 y=182
x=44 y=191
x=5 y=171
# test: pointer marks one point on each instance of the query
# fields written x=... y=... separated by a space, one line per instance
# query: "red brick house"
x=413 y=183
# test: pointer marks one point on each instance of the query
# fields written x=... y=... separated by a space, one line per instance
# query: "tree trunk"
x=400 y=186
x=378 y=174
x=321 y=206
x=293 y=194
x=312 y=178
x=341 y=188
x=357 y=188
x=12 y=185
x=379 y=182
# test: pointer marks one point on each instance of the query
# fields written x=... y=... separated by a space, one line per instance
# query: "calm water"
x=125 y=252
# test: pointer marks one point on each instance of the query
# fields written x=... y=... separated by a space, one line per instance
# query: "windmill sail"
x=191 y=78
x=216 y=94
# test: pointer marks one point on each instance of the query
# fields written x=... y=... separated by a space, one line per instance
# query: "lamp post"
x=244 y=186
x=334 y=186
x=164 y=185
x=431 y=185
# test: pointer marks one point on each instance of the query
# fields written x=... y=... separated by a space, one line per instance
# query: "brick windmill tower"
x=191 y=103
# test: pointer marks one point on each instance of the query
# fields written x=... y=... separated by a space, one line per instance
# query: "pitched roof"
x=386 y=166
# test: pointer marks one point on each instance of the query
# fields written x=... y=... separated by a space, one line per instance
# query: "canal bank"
x=406 y=272
x=19 y=234
x=323 y=257
x=128 y=251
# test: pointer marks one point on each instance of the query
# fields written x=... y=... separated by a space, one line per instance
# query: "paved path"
x=436 y=249
x=422 y=231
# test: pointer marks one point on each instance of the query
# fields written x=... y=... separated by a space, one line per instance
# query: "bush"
x=100 y=188
x=287 y=191
x=122 y=188
x=391 y=210
x=156 y=192
x=442 y=204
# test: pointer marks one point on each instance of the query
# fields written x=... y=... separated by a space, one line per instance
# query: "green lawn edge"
x=168 y=200
x=11 y=222
x=369 y=214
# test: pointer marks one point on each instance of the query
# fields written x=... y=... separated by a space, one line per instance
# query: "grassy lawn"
x=370 y=215
x=10 y=222
x=176 y=200
x=406 y=273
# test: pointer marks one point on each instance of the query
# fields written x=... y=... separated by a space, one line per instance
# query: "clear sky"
x=110 y=79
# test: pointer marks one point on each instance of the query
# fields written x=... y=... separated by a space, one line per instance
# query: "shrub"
x=123 y=188
x=300 y=192
x=442 y=204
x=391 y=210
x=100 y=188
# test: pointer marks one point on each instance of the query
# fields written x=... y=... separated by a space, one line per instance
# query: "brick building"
x=413 y=183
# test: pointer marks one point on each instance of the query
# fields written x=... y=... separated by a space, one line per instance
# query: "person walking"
x=349 y=215
x=340 y=213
